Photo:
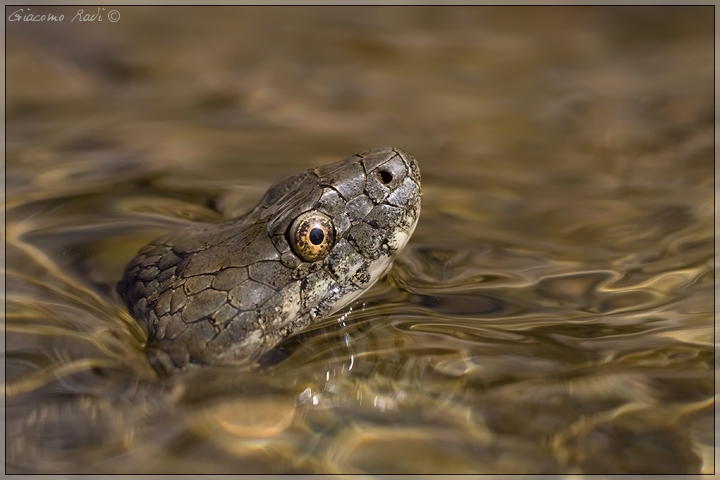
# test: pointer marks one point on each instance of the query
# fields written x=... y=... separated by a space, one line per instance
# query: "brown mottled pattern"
x=224 y=294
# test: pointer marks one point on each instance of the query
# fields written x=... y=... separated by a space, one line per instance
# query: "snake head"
x=363 y=210
x=225 y=294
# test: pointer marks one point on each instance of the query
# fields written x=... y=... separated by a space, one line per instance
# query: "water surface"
x=553 y=312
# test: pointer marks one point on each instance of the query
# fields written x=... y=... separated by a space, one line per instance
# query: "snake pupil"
x=316 y=236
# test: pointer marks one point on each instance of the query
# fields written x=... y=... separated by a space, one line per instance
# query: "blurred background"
x=553 y=312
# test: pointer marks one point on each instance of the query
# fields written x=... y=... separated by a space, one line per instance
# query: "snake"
x=224 y=294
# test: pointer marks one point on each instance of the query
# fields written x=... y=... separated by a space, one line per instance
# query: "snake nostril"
x=384 y=177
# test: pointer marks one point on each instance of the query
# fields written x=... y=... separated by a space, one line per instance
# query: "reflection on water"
x=553 y=312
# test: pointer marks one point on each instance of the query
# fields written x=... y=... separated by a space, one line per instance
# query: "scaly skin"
x=224 y=294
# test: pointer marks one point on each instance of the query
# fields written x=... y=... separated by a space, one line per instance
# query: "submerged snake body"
x=224 y=294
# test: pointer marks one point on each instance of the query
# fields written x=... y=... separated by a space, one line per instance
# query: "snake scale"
x=224 y=294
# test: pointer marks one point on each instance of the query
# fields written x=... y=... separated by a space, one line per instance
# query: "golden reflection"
x=248 y=418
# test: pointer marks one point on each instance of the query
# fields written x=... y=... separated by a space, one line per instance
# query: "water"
x=553 y=312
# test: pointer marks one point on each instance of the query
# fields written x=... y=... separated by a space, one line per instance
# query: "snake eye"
x=311 y=236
